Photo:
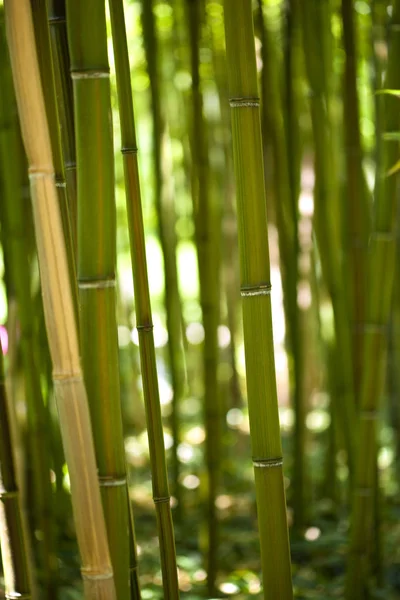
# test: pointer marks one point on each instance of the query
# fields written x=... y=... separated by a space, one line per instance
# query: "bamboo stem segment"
x=59 y=311
x=257 y=318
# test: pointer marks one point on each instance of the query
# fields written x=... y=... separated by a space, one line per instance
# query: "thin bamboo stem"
x=58 y=304
x=144 y=324
x=96 y=263
x=256 y=294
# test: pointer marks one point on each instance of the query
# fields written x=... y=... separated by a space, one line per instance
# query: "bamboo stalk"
x=381 y=268
x=144 y=324
x=286 y=213
x=59 y=311
x=65 y=102
x=256 y=294
x=14 y=228
x=327 y=220
x=206 y=236
x=167 y=236
x=12 y=540
x=96 y=262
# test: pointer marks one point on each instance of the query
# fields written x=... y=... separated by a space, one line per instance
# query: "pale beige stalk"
x=59 y=312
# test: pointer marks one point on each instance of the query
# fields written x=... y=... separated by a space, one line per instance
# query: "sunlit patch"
x=199 y=575
x=312 y=534
x=286 y=418
x=183 y=80
x=124 y=336
x=173 y=502
x=52 y=476
x=160 y=336
x=224 y=336
x=385 y=457
x=306 y=203
x=184 y=581
x=190 y=406
x=185 y=453
x=304 y=297
x=318 y=420
x=166 y=391
x=223 y=502
x=229 y=588
x=307 y=178
x=191 y=482
x=195 y=435
x=168 y=440
x=254 y=586
x=195 y=333
x=342 y=472
x=135 y=336
x=234 y=417
x=4 y=339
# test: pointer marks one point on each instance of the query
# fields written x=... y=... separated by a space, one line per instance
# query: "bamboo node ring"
x=369 y=415
x=96 y=576
x=244 y=102
x=162 y=500
x=57 y=20
x=267 y=463
x=96 y=284
x=60 y=378
x=4 y=495
x=105 y=481
x=261 y=289
x=60 y=184
x=91 y=74
x=383 y=236
x=148 y=327
x=129 y=150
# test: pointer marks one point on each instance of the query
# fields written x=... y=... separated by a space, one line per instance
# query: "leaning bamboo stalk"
x=12 y=539
x=15 y=247
x=96 y=265
x=381 y=269
x=144 y=325
x=59 y=311
x=166 y=229
x=256 y=294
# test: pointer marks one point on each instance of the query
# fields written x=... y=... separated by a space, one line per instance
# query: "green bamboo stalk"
x=87 y=37
x=206 y=236
x=286 y=213
x=144 y=325
x=256 y=294
x=358 y=204
x=167 y=236
x=14 y=226
x=12 y=540
x=59 y=309
x=327 y=212
x=42 y=34
x=381 y=263
x=65 y=102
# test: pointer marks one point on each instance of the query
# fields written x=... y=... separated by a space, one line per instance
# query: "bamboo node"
x=57 y=20
x=148 y=327
x=70 y=166
x=105 y=481
x=90 y=575
x=40 y=172
x=129 y=150
x=4 y=495
x=106 y=282
x=383 y=236
x=267 y=463
x=244 y=102
x=60 y=377
x=370 y=328
x=162 y=500
x=260 y=289
x=91 y=74
x=60 y=183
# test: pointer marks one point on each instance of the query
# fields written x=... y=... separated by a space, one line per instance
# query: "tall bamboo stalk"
x=167 y=236
x=12 y=539
x=358 y=205
x=63 y=82
x=42 y=35
x=16 y=247
x=381 y=268
x=144 y=325
x=87 y=37
x=256 y=294
x=206 y=236
x=59 y=311
x=286 y=214
x=327 y=221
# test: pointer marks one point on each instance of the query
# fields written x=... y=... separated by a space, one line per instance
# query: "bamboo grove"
x=199 y=299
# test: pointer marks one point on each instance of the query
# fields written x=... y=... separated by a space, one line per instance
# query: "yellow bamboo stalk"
x=58 y=306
